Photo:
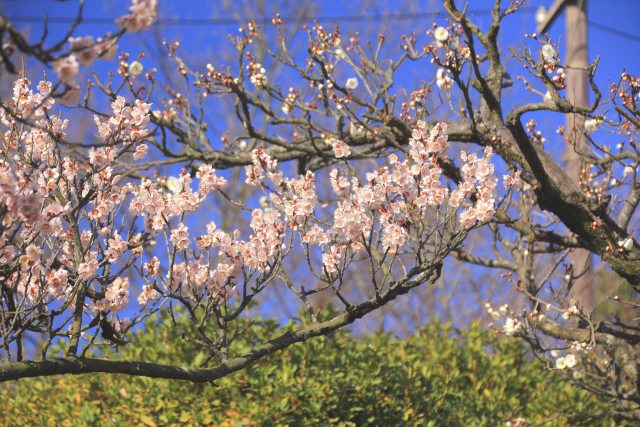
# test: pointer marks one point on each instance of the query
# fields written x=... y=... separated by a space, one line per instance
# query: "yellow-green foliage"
x=437 y=377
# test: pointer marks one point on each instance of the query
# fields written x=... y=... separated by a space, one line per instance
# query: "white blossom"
x=174 y=185
x=628 y=170
x=591 y=125
x=352 y=83
x=566 y=362
x=626 y=244
x=135 y=68
x=541 y=14
x=356 y=131
x=511 y=326
x=443 y=80
x=441 y=34
x=504 y=310
x=549 y=54
x=571 y=311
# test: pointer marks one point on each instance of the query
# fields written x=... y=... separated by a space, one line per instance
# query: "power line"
x=615 y=31
x=302 y=19
x=262 y=20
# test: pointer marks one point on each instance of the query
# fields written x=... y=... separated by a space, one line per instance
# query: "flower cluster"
x=397 y=197
x=513 y=181
x=156 y=206
x=83 y=51
x=511 y=325
x=128 y=123
x=287 y=107
x=393 y=198
x=26 y=102
x=257 y=75
x=142 y=14
x=479 y=179
x=443 y=80
x=67 y=68
x=116 y=296
x=57 y=227
x=549 y=54
x=340 y=148
x=566 y=362
x=592 y=125
x=41 y=196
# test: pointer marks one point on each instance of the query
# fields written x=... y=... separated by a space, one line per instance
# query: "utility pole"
x=577 y=61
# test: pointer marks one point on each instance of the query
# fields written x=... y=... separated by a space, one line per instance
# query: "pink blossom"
x=58 y=282
x=178 y=277
x=31 y=255
x=198 y=273
x=262 y=164
x=128 y=124
x=116 y=248
x=88 y=270
x=27 y=102
x=84 y=49
x=153 y=267
x=340 y=148
x=393 y=237
x=106 y=49
x=180 y=237
x=333 y=258
x=351 y=221
x=116 y=297
x=141 y=151
x=297 y=199
x=67 y=68
x=102 y=156
x=209 y=181
x=70 y=95
x=266 y=240
x=339 y=183
x=142 y=14
x=147 y=294
x=316 y=236
x=512 y=181
x=44 y=87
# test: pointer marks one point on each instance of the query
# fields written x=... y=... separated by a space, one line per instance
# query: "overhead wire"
x=301 y=19
x=261 y=20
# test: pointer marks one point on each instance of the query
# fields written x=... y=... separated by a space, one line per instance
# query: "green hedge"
x=437 y=377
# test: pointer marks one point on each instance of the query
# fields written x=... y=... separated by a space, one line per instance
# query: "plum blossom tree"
x=353 y=178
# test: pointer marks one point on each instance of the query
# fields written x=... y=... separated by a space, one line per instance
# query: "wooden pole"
x=577 y=62
x=583 y=289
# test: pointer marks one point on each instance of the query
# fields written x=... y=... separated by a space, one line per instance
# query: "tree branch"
x=79 y=365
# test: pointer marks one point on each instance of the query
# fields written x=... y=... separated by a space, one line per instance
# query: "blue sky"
x=617 y=51
x=206 y=37
x=202 y=40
